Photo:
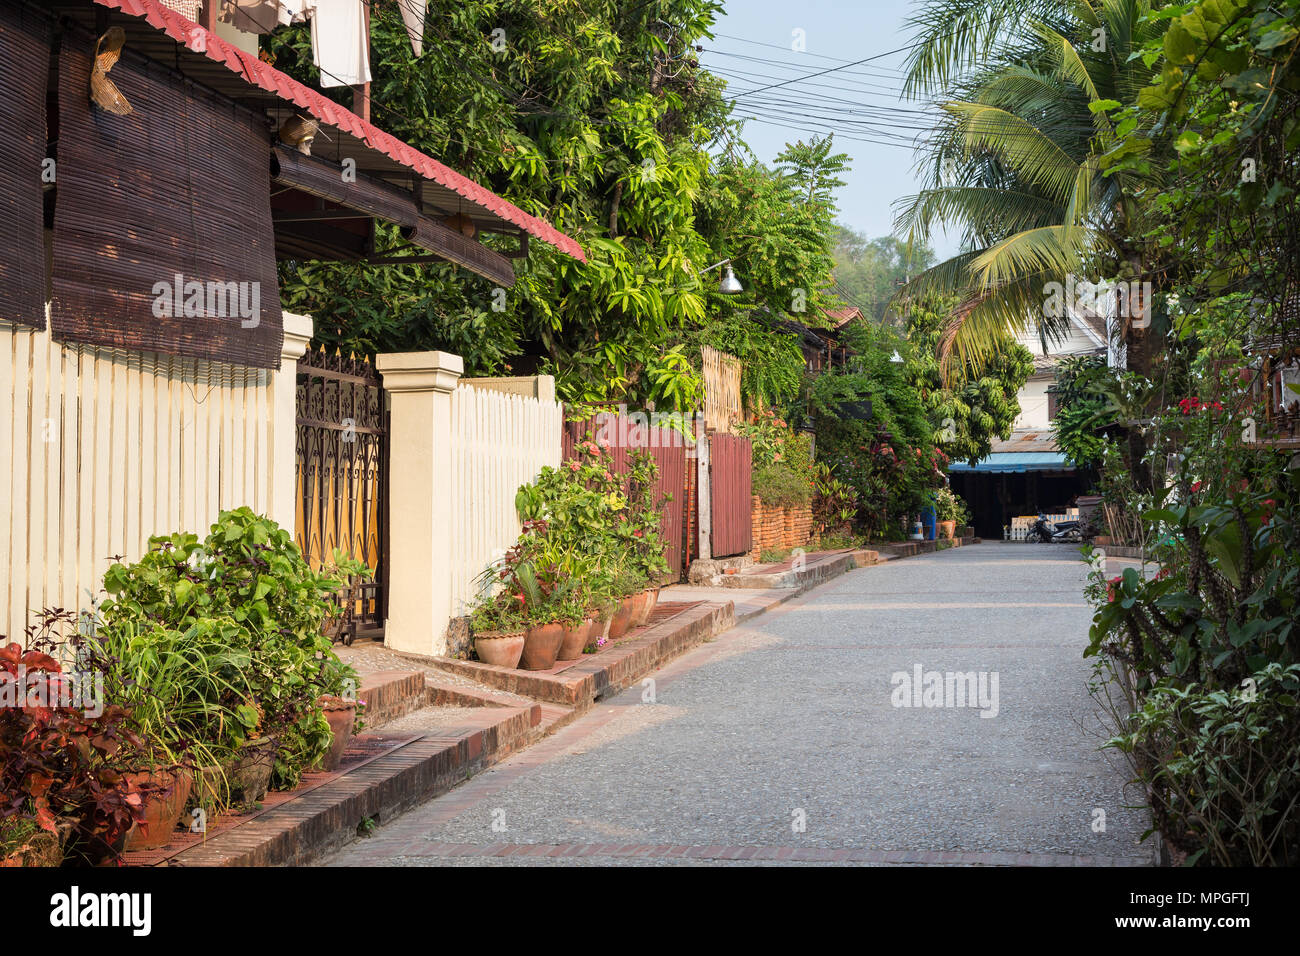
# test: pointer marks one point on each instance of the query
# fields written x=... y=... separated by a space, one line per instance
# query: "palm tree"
x=1026 y=91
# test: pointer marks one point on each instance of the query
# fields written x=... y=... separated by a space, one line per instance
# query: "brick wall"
x=777 y=528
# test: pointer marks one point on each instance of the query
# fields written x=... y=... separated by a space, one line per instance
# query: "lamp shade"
x=729 y=285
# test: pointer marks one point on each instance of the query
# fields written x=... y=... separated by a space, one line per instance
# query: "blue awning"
x=1015 y=462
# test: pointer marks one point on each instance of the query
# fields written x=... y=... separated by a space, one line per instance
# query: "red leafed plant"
x=62 y=766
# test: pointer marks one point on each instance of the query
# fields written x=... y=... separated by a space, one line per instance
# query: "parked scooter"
x=1047 y=532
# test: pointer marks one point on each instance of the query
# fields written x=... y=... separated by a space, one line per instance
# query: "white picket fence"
x=1022 y=524
x=500 y=441
x=102 y=448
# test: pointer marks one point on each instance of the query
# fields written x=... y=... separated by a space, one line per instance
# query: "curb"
x=327 y=816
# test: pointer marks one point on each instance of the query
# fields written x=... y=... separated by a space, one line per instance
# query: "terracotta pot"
x=342 y=718
x=501 y=649
x=164 y=793
x=648 y=599
x=948 y=529
x=622 y=619
x=541 y=644
x=577 y=638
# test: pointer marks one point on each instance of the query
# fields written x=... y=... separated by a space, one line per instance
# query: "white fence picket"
x=105 y=448
x=502 y=441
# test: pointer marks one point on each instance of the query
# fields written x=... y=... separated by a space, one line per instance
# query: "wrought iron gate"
x=342 y=479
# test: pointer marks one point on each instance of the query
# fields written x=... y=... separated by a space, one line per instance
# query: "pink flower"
x=574 y=466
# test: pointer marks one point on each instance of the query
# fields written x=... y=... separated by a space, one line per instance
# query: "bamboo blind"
x=24 y=65
x=180 y=187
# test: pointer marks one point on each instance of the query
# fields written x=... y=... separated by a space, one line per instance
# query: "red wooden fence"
x=622 y=435
x=731 y=467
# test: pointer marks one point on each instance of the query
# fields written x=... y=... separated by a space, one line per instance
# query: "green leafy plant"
x=62 y=766
x=217 y=643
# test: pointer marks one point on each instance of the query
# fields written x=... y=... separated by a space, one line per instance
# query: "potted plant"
x=341 y=714
x=499 y=631
x=216 y=646
x=62 y=765
x=575 y=615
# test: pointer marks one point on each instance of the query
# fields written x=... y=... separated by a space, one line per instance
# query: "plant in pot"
x=499 y=628
x=63 y=760
x=571 y=606
x=219 y=643
x=951 y=511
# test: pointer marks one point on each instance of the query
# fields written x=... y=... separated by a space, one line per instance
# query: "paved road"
x=782 y=739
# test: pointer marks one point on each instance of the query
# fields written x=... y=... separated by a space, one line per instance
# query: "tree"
x=595 y=116
x=1017 y=161
x=968 y=413
x=868 y=272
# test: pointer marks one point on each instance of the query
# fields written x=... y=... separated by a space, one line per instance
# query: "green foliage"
x=781 y=486
x=977 y=404
x=217 y=643
x=889 y=461
x=1221 y=767
x=1083 y=411
x=868 y=271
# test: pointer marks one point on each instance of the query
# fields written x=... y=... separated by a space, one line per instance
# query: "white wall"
x=102 y=448
x=1033 y=404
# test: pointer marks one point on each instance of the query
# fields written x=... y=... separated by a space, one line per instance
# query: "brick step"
x=578 y=684
x=391 y=694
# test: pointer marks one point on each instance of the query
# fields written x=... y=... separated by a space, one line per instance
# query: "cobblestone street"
x=788 y=740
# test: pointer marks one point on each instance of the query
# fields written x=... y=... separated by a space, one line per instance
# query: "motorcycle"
x=1047 y=532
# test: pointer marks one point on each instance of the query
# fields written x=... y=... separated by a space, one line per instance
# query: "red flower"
x=1196 y=486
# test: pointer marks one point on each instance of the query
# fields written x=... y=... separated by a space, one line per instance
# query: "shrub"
x=61 y=766
x=1223 y=768
x=781 y=486
x=219 y=643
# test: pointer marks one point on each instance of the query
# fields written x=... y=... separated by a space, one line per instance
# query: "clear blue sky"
x=754 y=47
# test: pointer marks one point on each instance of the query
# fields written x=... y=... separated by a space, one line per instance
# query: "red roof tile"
x=266 y=77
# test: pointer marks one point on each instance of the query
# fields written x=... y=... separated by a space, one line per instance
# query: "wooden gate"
x=342 y=458
x=622 y=435
x=731 y=463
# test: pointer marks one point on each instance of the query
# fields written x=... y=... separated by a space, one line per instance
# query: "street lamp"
x=728 y=284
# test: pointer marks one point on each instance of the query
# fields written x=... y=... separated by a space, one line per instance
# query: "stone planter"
x=499 y=648
x=250 y=775
x=541 y=644
x=164 y=793
x=342 y=717
x=576 y=639
x=1102 y=541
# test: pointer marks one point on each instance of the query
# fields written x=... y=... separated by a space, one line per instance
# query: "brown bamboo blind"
x=24 y=68
x=181 y=187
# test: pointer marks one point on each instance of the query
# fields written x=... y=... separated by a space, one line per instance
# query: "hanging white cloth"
x=293 y=11
x=340 y=44
x=413 y=16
